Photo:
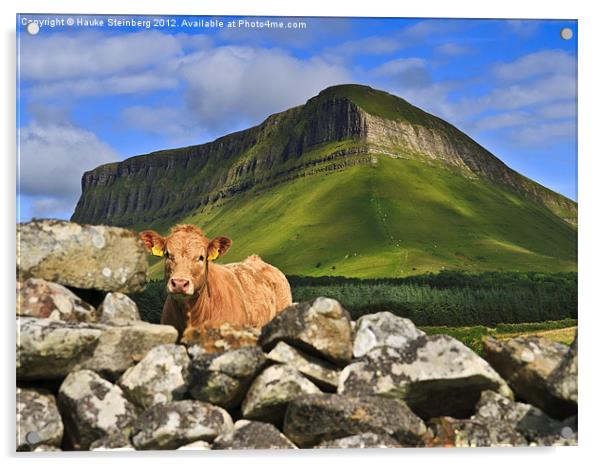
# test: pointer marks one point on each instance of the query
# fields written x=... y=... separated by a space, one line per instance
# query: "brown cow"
x=203 y=293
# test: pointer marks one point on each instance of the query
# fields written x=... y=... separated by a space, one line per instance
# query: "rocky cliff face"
x=341 y=127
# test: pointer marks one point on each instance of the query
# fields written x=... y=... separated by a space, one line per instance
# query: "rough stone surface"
x=435 y=375
x=311 y=419
x=198 y=445
x=45 y=448
x=113 y=441
x=38 y=420
x=122 y=345
x=159 y=377
x=527 y=363
x=272 y=390
x=322 y=373
x=39 y=298
x=219 y=339
x=223 y=378
x=171 y=425
x=563 y=380
x=117 y=307
x=365 y=440
x=92 y=408
x=382 y=329
x=83 y=256
x=450 y=432
x=321 y=327
x=532 y=423
x=50 y=349
x=253 y=435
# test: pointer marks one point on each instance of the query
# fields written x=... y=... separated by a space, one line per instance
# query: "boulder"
x=450 y=432
x=117 y=307
x=532 y=423
x=124 y=344
x=248 y=435
x=82 y=256
x=227 y=337
x=223 y=378
x=159 y=377
x=272 y=390
x=198 y=445
x=39 y=298
x=38 y=420
x=113 y=441
x=171 y=425
x=50 y=349
x=45 y=448
x=92 y=408
x=435 y=375
x=312 y=419
x=563 y=380
x=527 y=363
x=365 y=440
x=320 y=327
x=382 y=329
x=325 y=375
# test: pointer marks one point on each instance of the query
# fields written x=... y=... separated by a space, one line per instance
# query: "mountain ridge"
x=341 y=127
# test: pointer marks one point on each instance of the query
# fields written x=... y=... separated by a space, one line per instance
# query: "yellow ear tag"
x=157 y=251
x=213 y=255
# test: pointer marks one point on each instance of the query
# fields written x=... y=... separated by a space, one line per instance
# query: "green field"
x=396 y=218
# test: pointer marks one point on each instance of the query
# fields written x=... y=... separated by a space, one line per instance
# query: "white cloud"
x=543 y=134
x=68 y=56
x=503 y=120
x=174 y=123
x=244 y=84
x=566 y=109
x=452 y=49
x=523 y=27
x=53 y=158
x=545 y=62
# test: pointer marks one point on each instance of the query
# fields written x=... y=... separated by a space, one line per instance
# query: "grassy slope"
x=401 y=217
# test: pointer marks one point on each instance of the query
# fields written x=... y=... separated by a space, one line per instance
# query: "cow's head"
x=186 y=251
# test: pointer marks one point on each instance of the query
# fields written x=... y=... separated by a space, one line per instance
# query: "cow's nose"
x=179 y=285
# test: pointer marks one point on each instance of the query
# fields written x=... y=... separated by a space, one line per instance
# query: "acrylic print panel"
x=277 y=232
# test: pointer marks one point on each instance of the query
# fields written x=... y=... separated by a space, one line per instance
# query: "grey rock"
x=113 y=441
x=50 y=349
x=117 y=307
x=39 y=298
x=172 y=425
x=322 y=373
x=223 y=378
x=39 y=422
x=321 y=328
x=563 y=380
x=45 y=448
x=382 y=329
x=450 y=432
x=364 y=440
x=83 y=256
x=532 y=423
x=159 y=377
x=312 y=419
x=92 y=408
x=124 y=344
x=527 y=363
x=435 y=375
x=198 y=445
x=271 y=392
x=255 y=435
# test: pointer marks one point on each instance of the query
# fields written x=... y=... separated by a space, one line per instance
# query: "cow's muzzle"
x=180 y=286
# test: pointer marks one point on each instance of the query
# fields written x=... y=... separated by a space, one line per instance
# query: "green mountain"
x=356 y=182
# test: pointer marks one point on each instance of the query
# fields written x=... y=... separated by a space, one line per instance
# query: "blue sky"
x=92 y=95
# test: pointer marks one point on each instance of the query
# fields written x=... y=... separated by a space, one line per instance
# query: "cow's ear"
x=218 y=247
x=153 y=241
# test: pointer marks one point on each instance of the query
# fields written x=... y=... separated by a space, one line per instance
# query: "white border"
x=590 y=170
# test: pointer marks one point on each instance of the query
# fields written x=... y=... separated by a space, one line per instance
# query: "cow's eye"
x=166 y=255
x=201 y=258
